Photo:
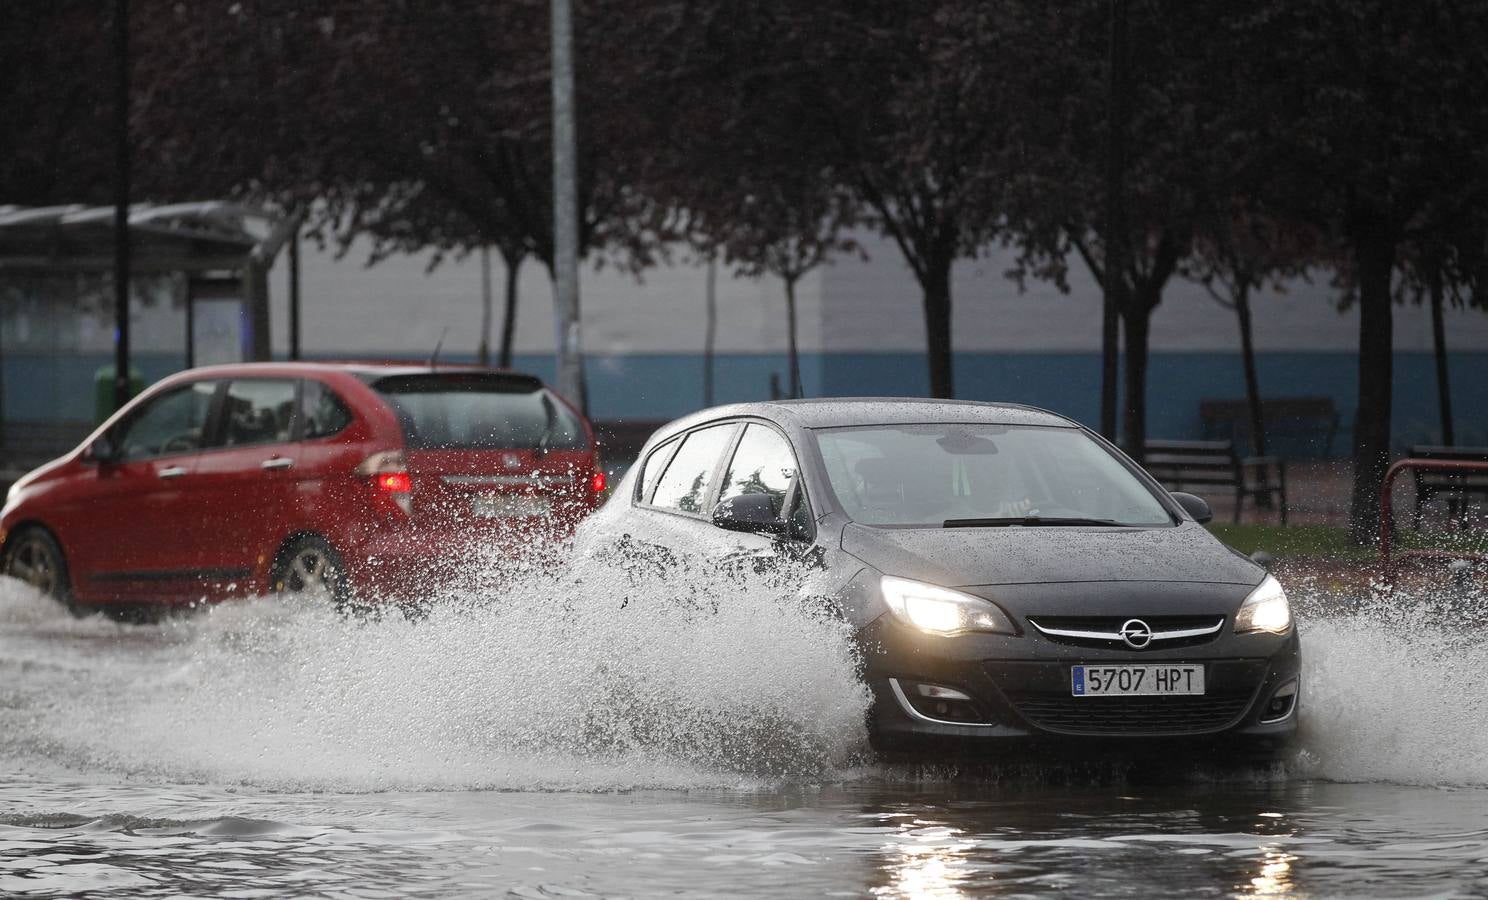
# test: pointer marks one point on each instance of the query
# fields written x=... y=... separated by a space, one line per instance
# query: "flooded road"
x=640 y=741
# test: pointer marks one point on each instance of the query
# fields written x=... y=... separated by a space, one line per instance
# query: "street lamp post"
x=566 y=210
x=121 y=203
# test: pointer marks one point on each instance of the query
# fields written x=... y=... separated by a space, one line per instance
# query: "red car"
x=354 y=481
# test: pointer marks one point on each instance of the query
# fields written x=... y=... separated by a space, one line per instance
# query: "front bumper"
x=1020 y=696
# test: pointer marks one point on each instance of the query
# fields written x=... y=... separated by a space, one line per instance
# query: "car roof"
x=848 y=411
x=366 y=370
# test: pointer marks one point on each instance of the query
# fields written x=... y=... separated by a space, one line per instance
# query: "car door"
x=246 y=484
x=139 y=511
x=763 y=462
x=677 y=490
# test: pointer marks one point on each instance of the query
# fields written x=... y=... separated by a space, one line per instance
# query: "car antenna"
x=438 y=345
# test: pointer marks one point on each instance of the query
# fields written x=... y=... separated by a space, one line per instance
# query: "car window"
x=322 y=411
x=763 y=464
x=258 y=411
x=927 y=474
x=655 y=464
x=480 y=411
x=174 y=422
x=802 y=523
x=684 y=484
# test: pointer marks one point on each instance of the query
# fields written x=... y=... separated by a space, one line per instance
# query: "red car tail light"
x=597 y=482
x=389 y=473
x=395 y=482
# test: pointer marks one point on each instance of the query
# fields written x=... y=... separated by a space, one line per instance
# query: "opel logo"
x=1136 y=634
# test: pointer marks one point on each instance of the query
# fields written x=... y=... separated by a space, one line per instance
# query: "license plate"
x=1137 y=681
x=501 y=506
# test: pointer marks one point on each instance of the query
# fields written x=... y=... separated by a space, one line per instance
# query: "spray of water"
x=1390 y=685
x=594 y=676
x=615 y=670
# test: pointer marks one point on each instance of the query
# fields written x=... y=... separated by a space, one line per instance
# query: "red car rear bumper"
x=420 y=563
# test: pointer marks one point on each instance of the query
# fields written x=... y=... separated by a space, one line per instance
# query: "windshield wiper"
x=1030 y=522
x=550 y=426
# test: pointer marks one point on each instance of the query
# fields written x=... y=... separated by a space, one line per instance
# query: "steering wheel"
x=178 y=442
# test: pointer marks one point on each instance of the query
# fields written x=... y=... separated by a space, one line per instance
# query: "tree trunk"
x=483 y=352
x=1374 y=260
x=1252 y=382
x=710 y=329
x=1134 y=425
x=1439 y=348
x=1110 y=358
x=937 y=288
x=509 y=314
x=790 y=330
x=1115 y=230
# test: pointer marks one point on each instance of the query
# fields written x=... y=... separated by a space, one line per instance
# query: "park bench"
x=1296 y=421
x=1180 y=465
x=1457 y=489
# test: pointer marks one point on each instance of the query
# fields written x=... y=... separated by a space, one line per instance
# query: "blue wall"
x=663 y=386
x=53 y=386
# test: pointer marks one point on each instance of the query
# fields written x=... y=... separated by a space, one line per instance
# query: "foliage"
x=1262 y=140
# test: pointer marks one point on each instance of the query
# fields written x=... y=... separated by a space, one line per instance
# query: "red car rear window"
x=479 y=411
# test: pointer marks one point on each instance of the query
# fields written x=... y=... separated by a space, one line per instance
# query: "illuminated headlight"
x=940 y=611
x=1266 y=609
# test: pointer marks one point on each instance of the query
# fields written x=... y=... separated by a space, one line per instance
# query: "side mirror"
x=101 y=450
x=751 y=513
x=1195 y=506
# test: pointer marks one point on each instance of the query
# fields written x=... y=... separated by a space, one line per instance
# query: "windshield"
x=948 y=475
x=465 y=412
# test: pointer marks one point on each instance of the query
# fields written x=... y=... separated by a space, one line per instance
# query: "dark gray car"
x=1013 y=578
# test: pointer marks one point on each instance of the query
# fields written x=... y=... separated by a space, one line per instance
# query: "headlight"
x=1266 y=609
x=940 y=611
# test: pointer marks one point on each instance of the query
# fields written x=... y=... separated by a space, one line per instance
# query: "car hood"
x=959 y=557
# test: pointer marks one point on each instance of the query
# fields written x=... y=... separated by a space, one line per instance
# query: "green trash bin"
x=103 y=391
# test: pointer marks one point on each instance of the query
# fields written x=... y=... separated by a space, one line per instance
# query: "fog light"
x=1281 y=703
x=938 y=703
x=941 y=693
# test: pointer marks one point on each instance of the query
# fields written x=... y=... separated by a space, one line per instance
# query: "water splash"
x=598 y=677
x=1390 y=685
x=617 y=672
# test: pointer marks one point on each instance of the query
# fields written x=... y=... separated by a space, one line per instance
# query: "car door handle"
x=277 y=462
x=172 y=472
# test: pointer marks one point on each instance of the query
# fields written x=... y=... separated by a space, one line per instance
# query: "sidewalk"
x=1318 y=493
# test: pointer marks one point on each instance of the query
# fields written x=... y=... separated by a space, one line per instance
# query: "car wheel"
x=310 y=568
x=35 y=557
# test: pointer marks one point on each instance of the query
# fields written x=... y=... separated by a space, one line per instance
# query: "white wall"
x=398 y=307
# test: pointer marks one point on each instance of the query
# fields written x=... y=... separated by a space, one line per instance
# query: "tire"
x=33 y=556
x=309 y=567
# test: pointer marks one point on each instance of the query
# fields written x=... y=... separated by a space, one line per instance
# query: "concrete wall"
x=861 y=332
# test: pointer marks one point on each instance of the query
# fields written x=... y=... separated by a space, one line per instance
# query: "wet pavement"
x=265 y=750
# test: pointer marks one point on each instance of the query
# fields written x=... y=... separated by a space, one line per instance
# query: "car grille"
x=1131 y=715
x=1111 y=625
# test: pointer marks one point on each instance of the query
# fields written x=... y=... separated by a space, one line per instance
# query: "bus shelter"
x=198 y=295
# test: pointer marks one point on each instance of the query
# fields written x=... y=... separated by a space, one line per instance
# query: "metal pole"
x=294 y=295
x=121 y=203
x=566 y=210
x=483 y=353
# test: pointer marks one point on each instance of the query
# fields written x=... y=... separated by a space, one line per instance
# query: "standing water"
x=616 y=731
